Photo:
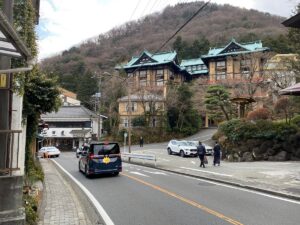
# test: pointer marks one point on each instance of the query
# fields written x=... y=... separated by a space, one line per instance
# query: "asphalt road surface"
x=146 y=196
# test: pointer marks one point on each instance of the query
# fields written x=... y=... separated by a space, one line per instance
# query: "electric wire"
x=137 y=5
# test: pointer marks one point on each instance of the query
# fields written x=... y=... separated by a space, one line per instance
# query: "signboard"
x=4 y=81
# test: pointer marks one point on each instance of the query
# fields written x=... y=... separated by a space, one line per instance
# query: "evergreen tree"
x=217 y=102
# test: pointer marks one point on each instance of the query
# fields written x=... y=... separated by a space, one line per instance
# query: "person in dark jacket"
x=217 y=154
x=141 y=141
x=201 y=153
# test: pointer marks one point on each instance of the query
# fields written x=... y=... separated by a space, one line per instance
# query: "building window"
x=159 y=77
x=220 y=70
x=132 y=107
x=147 y=107
x=189 y=69
x=143 y=77
x=245 y=67
x=125 y=122
x=171 y=75
x=194 y=68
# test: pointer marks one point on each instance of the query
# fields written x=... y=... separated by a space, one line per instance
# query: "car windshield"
x=51 y=149
x=104 y=149
x=190 y=143
x=183 y=143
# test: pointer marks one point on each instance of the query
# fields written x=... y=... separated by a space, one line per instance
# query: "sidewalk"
x=60 y=205
x=277 y=178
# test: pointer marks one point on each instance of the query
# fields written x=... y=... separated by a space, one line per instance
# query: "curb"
x=93 y=209
x=252 y=188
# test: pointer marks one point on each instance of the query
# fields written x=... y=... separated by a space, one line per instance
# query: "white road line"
x=140 y=174
x=193 y=162
x=244 y=189
x=99 y=208
x=159 y=173
x=233 y=187
x=221 y=174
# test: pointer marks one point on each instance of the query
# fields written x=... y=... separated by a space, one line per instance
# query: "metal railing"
x=151 y=157
x=7 y=162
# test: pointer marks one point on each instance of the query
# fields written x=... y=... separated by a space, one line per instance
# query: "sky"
x=65 y=23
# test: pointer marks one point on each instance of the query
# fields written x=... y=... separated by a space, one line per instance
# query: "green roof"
x=149 y=59
x=234 y=47
x=194 y=62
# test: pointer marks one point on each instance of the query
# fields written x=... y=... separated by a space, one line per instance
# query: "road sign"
x=3 y=81
x=125 y=135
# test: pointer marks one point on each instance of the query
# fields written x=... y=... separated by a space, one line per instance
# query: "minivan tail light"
x=91 y=156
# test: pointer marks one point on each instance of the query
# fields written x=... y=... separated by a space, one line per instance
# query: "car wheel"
x=169 y=151
x=182 y=153
x=77 y=156
x=116 y=173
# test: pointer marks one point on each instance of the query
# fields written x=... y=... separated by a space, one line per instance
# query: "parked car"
x=209 y=149
x=182 y=148
x=49 y=151
x=100 y=158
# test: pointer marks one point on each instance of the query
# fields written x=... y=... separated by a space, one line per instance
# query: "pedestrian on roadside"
x=201 y=153
x=141 y=141
x=217 y=154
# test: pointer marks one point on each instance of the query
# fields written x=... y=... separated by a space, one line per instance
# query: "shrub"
x=30 y=205
x=139 y=121
x=259 y=114
x=296 y=120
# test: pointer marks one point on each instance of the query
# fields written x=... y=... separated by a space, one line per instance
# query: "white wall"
x=17 y=107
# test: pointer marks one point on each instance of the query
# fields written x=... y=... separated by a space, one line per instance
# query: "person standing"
x=217 y=154
x=141 y=141
x=201 y=153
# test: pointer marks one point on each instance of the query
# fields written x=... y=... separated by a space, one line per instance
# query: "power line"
x=182 y=26
x=137 y=5
x=147 y=5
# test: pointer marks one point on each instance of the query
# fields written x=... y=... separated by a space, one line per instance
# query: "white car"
x=51 y=150
x=182 y=148
x=209 y=149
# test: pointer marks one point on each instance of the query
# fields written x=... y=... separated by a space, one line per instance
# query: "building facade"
x=70 y=127
x=148 y=77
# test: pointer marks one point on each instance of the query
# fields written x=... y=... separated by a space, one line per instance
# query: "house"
x=148 y=76
x=294 y=21
x=241 y=68
x=68 y=98
x=71 y=126
x=235 y=61
x=12 y=128
x=148 y=105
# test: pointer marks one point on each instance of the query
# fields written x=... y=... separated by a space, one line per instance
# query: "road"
x=146 y=196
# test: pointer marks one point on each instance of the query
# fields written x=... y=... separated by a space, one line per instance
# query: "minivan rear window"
x=105 y=149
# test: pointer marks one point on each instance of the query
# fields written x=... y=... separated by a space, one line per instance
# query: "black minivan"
x=101 y=158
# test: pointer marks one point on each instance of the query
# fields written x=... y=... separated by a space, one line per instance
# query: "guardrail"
x=151 y=157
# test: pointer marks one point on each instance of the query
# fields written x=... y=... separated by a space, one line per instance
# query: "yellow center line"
x=190 y=202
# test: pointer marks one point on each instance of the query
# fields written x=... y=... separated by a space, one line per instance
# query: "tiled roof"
x=156 y=59
x=193 y=62
x=244 y=48
x=75 y=112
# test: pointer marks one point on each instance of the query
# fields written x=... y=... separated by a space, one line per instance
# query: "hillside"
x=217 y=23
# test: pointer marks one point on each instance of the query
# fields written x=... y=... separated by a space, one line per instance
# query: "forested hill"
x=216 y=25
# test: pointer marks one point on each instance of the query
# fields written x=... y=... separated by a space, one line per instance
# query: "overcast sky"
x=64 y=23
